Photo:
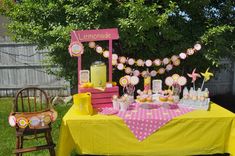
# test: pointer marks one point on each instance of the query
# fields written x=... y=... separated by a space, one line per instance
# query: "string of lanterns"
x=123 y=63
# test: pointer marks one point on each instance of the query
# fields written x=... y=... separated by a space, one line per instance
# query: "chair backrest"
x=31 y=99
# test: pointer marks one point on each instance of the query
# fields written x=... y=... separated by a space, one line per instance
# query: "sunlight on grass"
x=7 y=134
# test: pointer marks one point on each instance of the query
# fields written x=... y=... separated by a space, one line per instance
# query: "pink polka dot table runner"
x=143 y=122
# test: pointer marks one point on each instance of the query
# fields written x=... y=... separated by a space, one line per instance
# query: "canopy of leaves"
x=148 y=28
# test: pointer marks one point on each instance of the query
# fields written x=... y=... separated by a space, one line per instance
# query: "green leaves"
x=148 y=29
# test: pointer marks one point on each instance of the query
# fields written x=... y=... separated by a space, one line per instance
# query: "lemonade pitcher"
x=82 y=102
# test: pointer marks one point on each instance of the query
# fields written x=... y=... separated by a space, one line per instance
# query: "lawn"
x=7 y=134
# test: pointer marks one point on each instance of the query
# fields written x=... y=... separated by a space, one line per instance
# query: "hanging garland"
x=122 y=62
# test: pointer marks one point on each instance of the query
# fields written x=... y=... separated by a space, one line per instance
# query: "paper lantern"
x=197 y=46
x=131 y=61
x=144 y=73
x=153 y=73
x=140 y=62
x=136 y=73
x=106 y=54
x=128 y=70
x=99 y=49
x=173 y=58
x=122 y=59
x=114 y=56
x=190 y=51
x=114 y=62
x=165 y=61
x=92 y=44
x=161 y=70
x=182 y=56
x=157 y=62
x=148 y=63
x=176 y=62
x=120 y=66
x=169 y=67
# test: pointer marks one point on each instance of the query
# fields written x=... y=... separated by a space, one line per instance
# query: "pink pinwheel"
x=194 y=76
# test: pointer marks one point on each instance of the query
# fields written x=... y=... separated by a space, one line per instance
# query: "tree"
x=148 y=29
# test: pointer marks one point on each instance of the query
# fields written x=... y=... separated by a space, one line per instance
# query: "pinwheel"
x=194 y=77
x=206 y=76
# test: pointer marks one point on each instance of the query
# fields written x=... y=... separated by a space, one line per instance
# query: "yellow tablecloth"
x=197 y=132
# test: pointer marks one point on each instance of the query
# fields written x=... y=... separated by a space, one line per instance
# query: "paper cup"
x=123 y=106
x=116 y=105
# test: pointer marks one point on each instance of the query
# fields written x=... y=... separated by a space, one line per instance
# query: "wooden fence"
x=21 y=65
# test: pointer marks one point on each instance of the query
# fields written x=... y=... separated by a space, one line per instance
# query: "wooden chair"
x=32 y=100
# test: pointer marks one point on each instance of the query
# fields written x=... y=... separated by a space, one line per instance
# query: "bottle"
x=206 y=93
x=185 y=93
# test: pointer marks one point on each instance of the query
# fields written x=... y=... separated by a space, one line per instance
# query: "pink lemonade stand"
x=99 y=98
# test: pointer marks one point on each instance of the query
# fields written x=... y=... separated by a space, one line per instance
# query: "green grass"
x=7 y=133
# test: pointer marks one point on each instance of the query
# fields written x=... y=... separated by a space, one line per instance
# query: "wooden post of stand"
x=110 y=61
x=79 y=69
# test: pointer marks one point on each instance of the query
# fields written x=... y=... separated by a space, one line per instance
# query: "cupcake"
x=163 y=98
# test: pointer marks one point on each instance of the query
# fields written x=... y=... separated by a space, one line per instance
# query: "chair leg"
x=50 y=142
x=19 y=144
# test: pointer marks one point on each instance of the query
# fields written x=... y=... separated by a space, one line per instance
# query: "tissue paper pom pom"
x=182 y=81
x=169 y=81
x=175 y=77
x=148 y=63
x=123 y=81
x=134 y=80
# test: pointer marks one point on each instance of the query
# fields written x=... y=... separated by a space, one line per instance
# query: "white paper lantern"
x=120 y=66
x=131 y=61
x=148 y=63
x=197 y=46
